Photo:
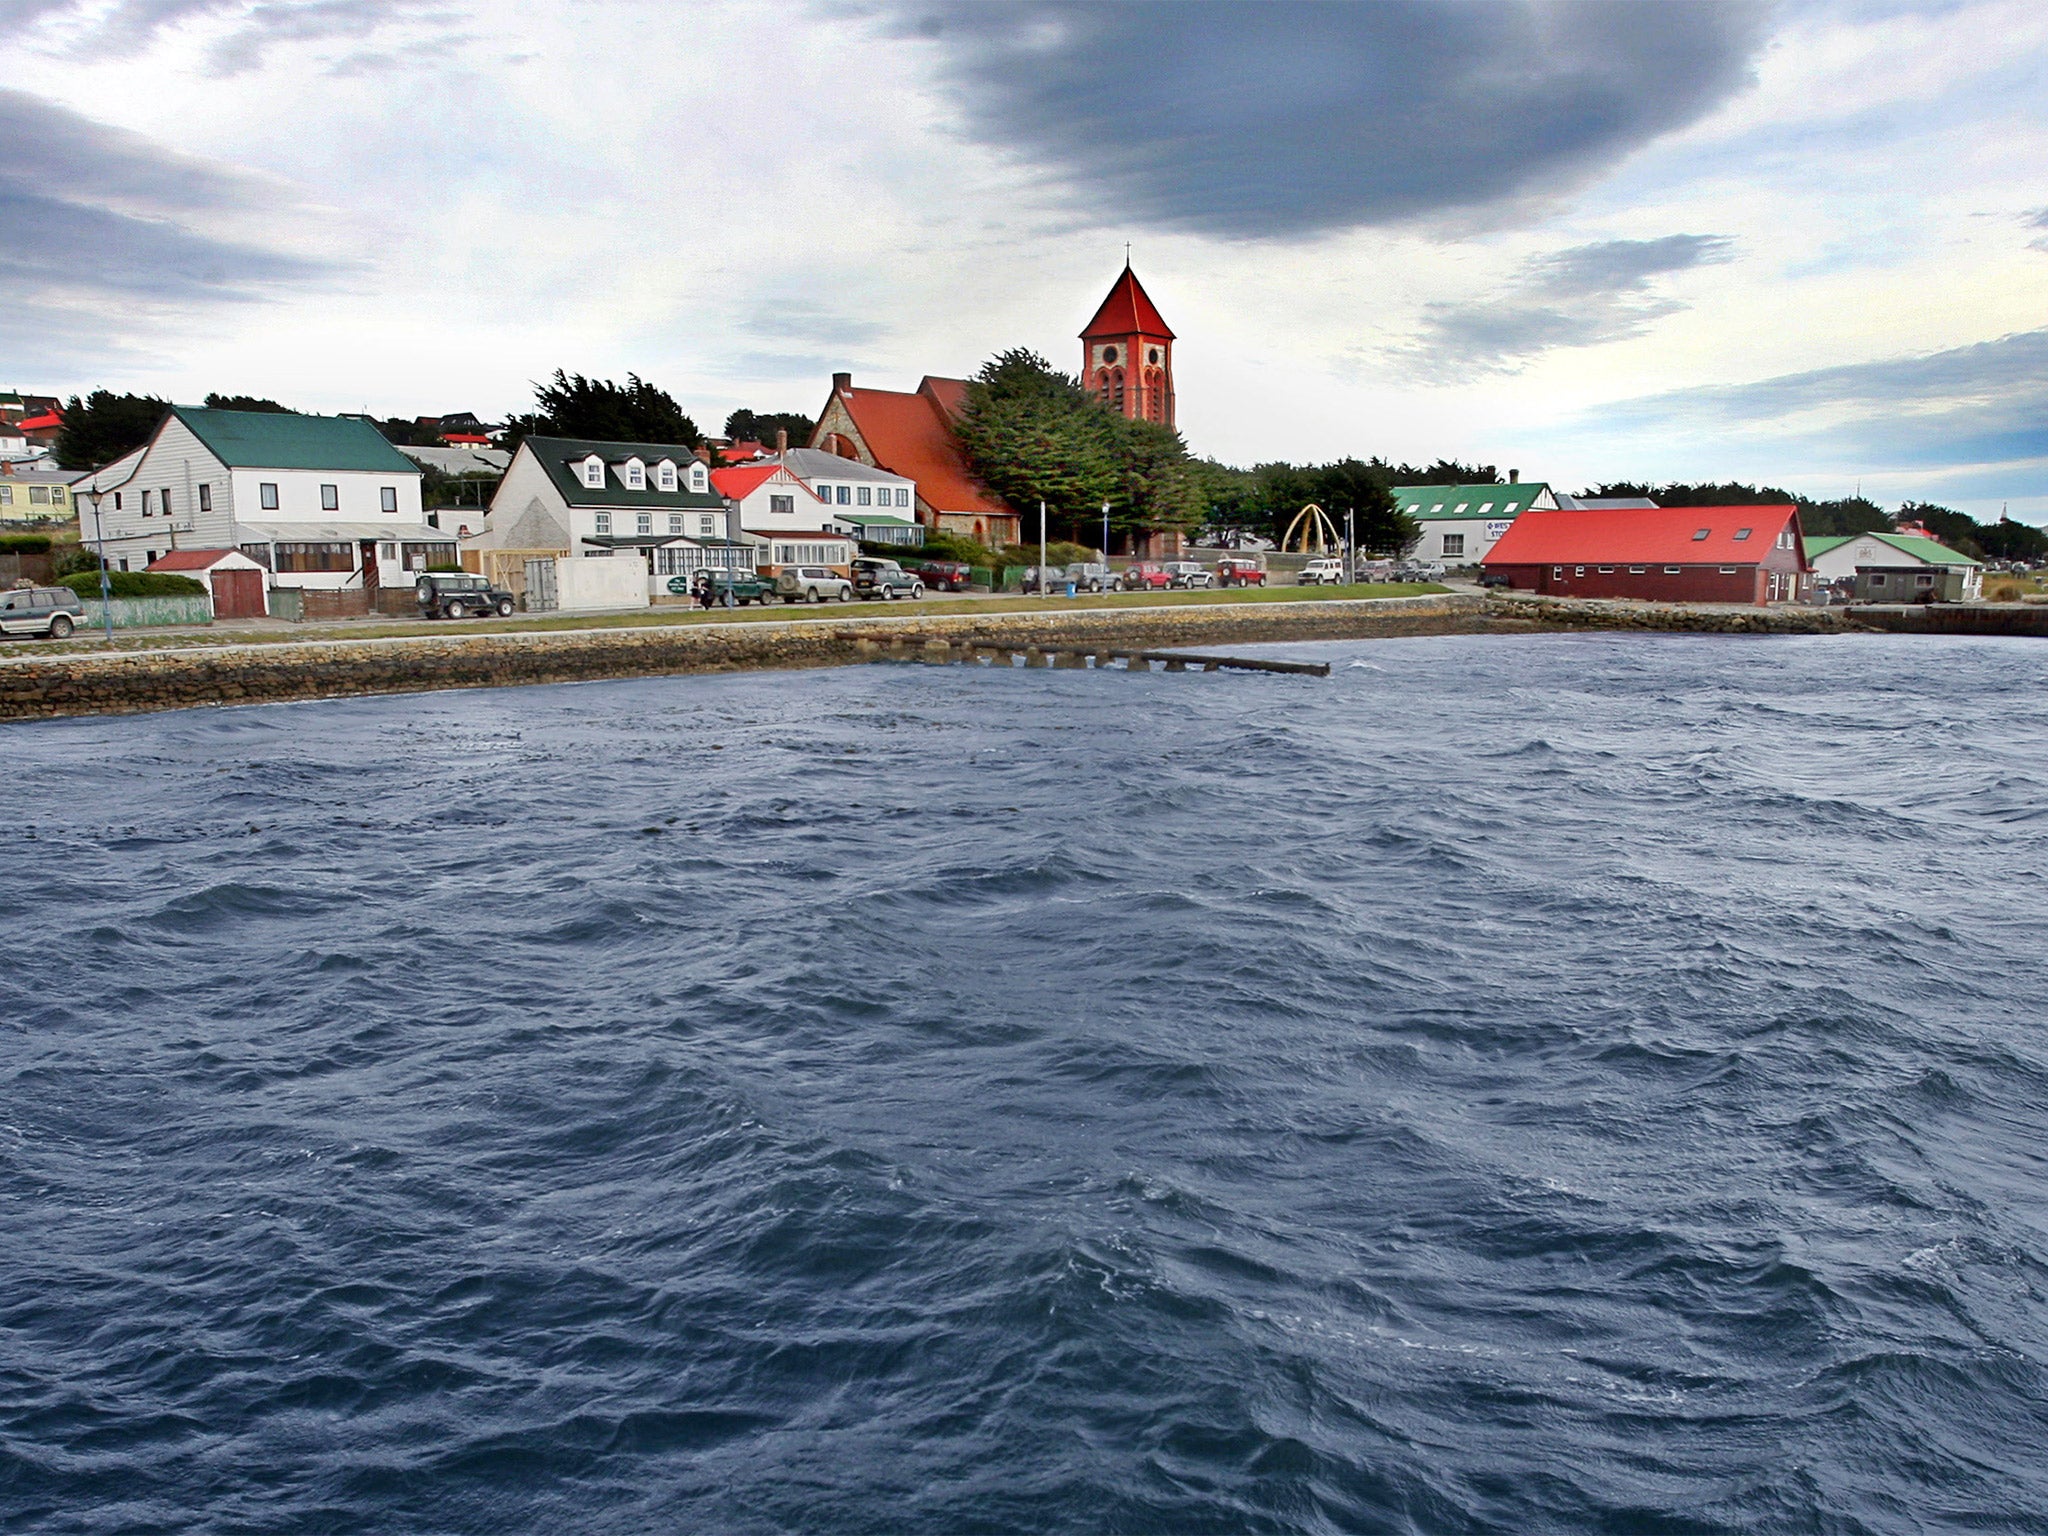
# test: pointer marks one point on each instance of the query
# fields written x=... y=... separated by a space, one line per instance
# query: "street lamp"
x=99 y=540
x=1105 y=537
x=1041 y=549
x=1350 y=545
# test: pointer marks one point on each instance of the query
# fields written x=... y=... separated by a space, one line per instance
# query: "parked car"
x=51 y=611
x=460 y=595
x=1087 y=576
x=1324 y=572
x=733 y=589
x=1496 y=579
x=812 y=583
x=1240 y=571
x=1373 y=570
x=1419 y=570
x=1144 y=576
x=1043 y=578
x=875 y=577
x=946 y=575
x=1190 y=574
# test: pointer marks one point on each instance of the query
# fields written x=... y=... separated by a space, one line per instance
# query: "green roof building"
x=1460 y=523
x=1897 y=568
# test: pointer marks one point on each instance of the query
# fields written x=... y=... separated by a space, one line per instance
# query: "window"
x=1636 y=570
x=1606 y=570
x=696 y=477
x=1671 y=570
x=266 y=496
x=57 y=495
x=1510 y=507
x=40 y=495
x=824 y=494
x=148 y=508
x=864 y=498
x=665 y=475
x=593 y=473
x=260 y=553
x=675 y=522
x=1701 y=534
x=1438 y=507
x=707 y=525
x=330 y=498
x=1557 y=571
x=1578 y=570
x=902 y=495
x=636 y=475
x=1460 y=508
x=1485 y=507
x=845 y=496
x=6 y=495
x=782 y=506
x=387 y=553
x=387 y=498
x=164 y=500
x=124 y=565
x=316 y=557
x=1727 y=570
x=1741 y=534
x=604 y=522
x=643 y=523
x=205 y=497
x=117 y=501
x=1454 y=544
x=1877 y=578
x=1923 y=581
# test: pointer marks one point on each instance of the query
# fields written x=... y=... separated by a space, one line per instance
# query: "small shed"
x=235 y=584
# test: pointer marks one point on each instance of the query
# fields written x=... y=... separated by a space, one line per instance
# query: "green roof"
x=871 y=520
x=1443 y=503
x=287 y=440
x=1930 y=550
x=1823 y=543
x=557 y=454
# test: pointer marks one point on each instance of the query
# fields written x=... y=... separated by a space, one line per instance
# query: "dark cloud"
x=1248 y=119
x=94 y=218
x=1980 y=404
x=1581 y=297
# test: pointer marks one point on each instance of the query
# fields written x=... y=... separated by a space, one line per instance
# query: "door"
x=238 y=594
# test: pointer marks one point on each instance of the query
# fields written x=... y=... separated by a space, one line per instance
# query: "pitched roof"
x=817 y=464
x=1128 y=310
x=1816 y=547
x=287 y=440
x=1442 y=503
x=739 y=481
x=909 y=435
x=1644 y=536
x=1930 y=551
x=192 y=559
x=40 y=423
x=556 y=454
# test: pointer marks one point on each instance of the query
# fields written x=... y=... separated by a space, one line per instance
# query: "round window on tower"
x=1155 y=355
x=1109 y=354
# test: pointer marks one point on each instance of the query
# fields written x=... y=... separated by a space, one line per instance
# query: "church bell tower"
x=1127 y=354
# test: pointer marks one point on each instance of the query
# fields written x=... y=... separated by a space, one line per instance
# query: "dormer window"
x=636 y=475
x=696 y=477
x=665 y=474
x=593 y=473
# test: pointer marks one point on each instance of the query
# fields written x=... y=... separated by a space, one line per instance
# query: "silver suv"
x=1090 y=577
x=812 y=583
x=52 y=611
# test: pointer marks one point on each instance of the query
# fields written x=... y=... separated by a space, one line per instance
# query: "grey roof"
x=817 y=464
x=461 y=461
x=1603 y=503
x=42 y=474
x=337 y=533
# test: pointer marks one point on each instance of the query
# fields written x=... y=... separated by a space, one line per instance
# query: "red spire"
x=1128 y=311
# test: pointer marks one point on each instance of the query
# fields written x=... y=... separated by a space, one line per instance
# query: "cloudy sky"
x=1802 y=243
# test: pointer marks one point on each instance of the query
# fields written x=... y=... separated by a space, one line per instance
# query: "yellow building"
x=35 y=495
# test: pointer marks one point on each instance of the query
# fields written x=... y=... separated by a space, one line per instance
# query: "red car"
x=1240 y=571
x=1146 y=577
x=947 y=575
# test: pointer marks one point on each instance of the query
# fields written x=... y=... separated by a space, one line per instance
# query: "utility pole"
x=1350 y=545
x=1041 y=548
x=1105 y=536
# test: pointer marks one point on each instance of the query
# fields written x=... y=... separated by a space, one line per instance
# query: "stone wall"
x=40 y=686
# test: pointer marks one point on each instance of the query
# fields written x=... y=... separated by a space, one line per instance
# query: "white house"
x=783 y=520
x=1461 y=523
x=321 y=502
x=875 y=504
x=573 y=498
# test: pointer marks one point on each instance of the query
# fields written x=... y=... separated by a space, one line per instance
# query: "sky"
x=1802 y=244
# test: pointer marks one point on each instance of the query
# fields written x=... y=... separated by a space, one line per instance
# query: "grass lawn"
x=297 y=634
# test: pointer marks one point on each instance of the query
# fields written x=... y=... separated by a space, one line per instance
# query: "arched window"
x=1118 y=380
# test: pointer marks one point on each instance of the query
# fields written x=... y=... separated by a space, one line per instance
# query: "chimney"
x=703 y=454
x=781 y=440
x=1514 y=477
x=842 y=383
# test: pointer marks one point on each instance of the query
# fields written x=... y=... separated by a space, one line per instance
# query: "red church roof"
x=1643 y=536
x=1128 y=311
x=912 y=436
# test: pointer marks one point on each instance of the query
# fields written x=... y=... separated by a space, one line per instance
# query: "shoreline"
x=270 y=671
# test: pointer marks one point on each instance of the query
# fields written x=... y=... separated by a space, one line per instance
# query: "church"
x=1126 y=363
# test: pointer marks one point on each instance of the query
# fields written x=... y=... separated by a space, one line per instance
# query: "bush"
x=445 y=565
x=1058 y=552
x=941 y=545
x=24 y=543
x=133 y=584
x=70 y=558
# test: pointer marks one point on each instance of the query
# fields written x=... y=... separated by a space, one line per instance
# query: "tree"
x=1850 y=515
x=1366 y=491
x=744 y=426
x=2008 y=540
x=601 y=411
x=246 y=403
x=100 y=428
x=1958 y=530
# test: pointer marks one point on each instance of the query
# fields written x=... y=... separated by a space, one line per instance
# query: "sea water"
x=1559 y=1083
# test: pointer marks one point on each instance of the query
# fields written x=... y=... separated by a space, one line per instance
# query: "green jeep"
x=729 y=589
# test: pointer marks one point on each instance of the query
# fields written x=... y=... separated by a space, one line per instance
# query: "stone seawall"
x=126 y=682
x=1726 y=619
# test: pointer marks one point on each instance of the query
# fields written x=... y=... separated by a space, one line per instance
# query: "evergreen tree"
x=103 y=426
x=599 y=410
x=760 y=427
x=246 y=403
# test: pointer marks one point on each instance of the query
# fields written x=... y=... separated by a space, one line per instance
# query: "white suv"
x=1321 y=573
x=1191 y=574
x=812 y=583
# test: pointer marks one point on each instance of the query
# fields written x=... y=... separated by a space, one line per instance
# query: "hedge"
x=24 y=543
x=133 y=584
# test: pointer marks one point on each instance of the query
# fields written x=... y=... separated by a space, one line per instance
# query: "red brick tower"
x=1127 y=354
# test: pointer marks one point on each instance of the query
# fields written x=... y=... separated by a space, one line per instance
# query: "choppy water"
x=1547 y=1084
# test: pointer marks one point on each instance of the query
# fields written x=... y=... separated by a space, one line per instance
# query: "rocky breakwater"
x=33 y=686
x=1681 y=618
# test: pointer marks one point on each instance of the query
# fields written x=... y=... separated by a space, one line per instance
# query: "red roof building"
x=912 y=435
x=1127 y=354
x=1669 y=554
